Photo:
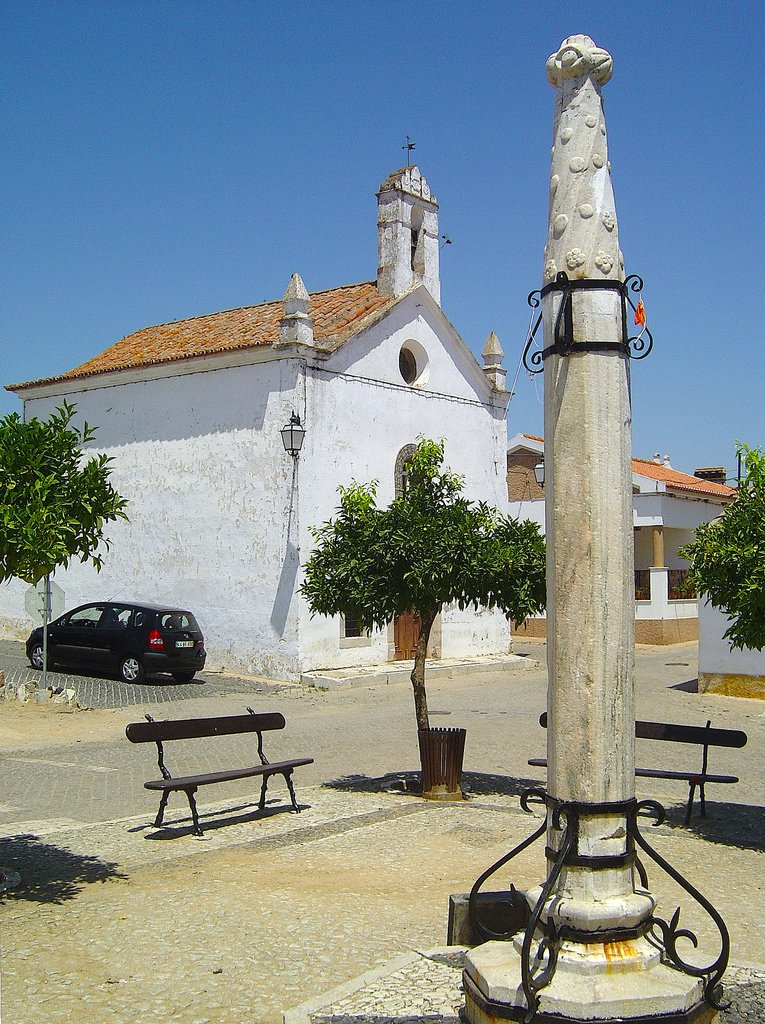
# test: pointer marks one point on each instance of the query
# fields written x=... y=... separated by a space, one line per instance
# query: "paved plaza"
x=338 y=913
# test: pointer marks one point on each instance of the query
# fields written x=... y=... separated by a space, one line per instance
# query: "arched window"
x=402 y=469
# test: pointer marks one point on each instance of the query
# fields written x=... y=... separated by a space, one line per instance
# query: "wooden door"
x=406 y=633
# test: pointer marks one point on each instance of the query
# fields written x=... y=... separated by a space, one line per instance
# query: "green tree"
x=727 y=557
x=430 y=547
x=54 y=500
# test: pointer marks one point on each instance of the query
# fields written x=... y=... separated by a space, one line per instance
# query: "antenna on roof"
x=409 y=146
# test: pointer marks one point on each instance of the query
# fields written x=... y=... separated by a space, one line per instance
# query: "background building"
x=220 y=515
x=667 y=508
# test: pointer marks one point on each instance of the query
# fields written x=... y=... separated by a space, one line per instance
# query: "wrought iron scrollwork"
x=533 y=361
x=636 y=347
x=480 y=927
x=547 y=950
x=538 y=965
x=669 y=932
x=641 y=344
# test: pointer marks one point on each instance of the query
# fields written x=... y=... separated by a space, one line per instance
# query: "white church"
x=192 y=413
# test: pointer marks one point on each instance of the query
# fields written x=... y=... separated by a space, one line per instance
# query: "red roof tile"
x=680 y=481
x=674 y=480
x=332 y=311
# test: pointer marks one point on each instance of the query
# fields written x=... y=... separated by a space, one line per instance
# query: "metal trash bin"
x=441 y=754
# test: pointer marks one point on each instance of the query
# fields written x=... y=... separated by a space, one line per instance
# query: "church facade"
x=220 y=515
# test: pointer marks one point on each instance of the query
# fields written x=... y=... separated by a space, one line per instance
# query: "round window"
x=413 y=363
x=407 y=364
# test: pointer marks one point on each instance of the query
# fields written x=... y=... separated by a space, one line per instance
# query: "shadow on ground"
x=688 y=686
x=739 y=825
x=211 y=821
x=473 y=784
x=49 y=873
x=747 y=1003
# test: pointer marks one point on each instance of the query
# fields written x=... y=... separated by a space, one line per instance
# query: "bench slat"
x=656 y=773
x=659 y=773
x=697 y=734
x=186 y=781
x=195 y=728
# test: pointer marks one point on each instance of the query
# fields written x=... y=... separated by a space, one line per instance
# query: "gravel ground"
x=118 y=921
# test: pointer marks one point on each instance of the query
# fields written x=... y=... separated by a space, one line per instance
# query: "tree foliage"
x=54 y=500
x=727 y=557
x=430 y=547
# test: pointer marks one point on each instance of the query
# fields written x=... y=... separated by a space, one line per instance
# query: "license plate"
x=184 y=643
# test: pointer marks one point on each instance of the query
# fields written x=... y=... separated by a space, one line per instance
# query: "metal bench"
x=703 y=736
x=195 y=728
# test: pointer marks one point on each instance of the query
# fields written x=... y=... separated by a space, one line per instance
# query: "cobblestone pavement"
x=116 y=920
x=100 y=692
x=426 y=986
x=121 y=921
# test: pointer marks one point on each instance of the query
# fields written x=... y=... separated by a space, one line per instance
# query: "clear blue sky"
x=163 y=160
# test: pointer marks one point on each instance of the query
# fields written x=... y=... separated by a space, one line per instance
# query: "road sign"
x=34 y=600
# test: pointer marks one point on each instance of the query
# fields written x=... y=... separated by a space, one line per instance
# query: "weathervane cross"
x=408 y=146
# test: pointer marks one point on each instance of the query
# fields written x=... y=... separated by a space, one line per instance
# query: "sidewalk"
x=118 y=921
x=123 y=922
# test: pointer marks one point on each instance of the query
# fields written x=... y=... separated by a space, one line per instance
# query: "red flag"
x=640 y=313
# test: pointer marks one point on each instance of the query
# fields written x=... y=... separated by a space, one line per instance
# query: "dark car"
x=135 y=640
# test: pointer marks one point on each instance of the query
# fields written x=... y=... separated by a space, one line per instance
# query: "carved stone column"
x=585 y=955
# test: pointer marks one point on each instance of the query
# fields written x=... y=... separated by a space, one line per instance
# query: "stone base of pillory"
x=608 y=983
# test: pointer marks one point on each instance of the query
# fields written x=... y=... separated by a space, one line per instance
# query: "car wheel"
x=183 y=677
x=131 y=670
x=36 y=658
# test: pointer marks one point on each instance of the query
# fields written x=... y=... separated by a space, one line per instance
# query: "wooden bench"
x=703 y=736
x=195 y=728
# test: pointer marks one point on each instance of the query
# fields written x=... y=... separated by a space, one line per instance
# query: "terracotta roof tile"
x=680 y=481
x=673 y=478
x=332 y=312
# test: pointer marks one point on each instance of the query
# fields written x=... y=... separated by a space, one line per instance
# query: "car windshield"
x=175 y=621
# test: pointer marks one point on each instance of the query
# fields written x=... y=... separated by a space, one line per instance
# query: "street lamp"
x=539 y=473
x=292 y=436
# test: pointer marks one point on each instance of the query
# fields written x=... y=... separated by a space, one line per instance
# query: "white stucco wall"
x=533 y=510
x=200 y=459
x=220 y=515
x=715 y=654
x=359 y=415
x=671 y=511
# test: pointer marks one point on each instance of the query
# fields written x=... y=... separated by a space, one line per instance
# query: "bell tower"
x=407 y=234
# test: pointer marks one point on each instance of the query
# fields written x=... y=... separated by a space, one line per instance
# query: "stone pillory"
x=592 y=948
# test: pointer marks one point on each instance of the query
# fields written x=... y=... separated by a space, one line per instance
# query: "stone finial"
x=492 y=355
x=296 y=327
x=579 y=57
x=582 y=239
x=492 y=350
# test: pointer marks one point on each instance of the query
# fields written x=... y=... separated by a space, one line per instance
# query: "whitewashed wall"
x=200 y=459
x=359 y=415
x=715 y=654
x=220 y=515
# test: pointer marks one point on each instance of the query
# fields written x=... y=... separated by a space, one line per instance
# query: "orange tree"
x=430 y=547
x=727 y=557
x=55 y=501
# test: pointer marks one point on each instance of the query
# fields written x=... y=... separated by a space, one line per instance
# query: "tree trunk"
x=428 y=617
